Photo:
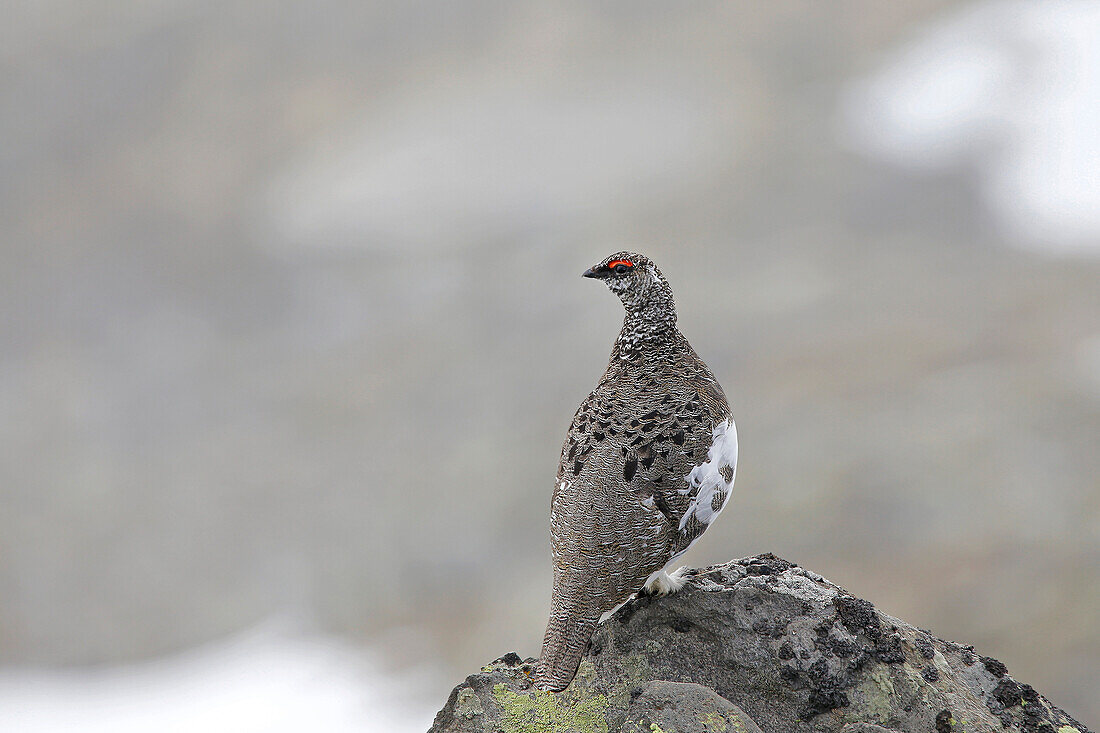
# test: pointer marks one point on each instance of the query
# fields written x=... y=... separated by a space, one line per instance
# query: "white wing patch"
x=706 y=479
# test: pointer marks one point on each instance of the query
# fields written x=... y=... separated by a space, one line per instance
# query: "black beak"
x=590 y=273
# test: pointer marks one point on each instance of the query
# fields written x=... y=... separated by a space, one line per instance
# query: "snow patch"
x=262 y=682
x=1011 y=88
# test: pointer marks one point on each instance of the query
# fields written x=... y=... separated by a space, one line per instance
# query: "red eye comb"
x=613 y=263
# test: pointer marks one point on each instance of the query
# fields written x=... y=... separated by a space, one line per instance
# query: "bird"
x=647 y=465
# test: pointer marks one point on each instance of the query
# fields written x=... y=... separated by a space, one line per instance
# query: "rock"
x=758 y=644
x=684 y=706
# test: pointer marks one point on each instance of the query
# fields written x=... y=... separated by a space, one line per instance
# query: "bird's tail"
x=567 y=636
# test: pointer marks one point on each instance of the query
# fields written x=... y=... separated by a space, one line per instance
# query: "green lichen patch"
x=468 y=705
x=634 y=671
x=586 y=673
x=716 y=723
x=578 y=711
x=876 y=697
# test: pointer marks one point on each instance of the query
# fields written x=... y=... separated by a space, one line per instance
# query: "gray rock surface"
x=758 y=644
x=684 y=706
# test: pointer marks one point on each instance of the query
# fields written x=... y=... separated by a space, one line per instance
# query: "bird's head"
x=634 y=278
x=646 y=295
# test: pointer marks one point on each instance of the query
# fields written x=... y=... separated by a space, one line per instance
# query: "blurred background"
x=292 y=326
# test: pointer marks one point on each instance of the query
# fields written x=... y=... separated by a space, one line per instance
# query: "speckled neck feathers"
x=650 y=313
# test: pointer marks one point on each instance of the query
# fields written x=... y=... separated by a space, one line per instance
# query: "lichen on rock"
x=757 y=644
x=545 y=711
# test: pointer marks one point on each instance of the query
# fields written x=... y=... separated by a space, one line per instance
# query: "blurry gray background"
x=291 y=316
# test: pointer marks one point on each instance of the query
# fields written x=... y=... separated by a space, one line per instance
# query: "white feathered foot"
x=662 y=583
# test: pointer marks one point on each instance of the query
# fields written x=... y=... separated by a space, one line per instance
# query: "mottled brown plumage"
x=646 y=466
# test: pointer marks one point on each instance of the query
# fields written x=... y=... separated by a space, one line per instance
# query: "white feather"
x=706 y=479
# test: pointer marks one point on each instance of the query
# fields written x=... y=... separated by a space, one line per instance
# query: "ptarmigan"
x=647 y=466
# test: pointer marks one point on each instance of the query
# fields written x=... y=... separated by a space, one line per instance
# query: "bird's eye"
x=620 y=269
x=620 y=266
